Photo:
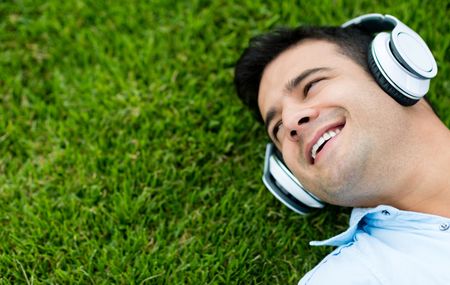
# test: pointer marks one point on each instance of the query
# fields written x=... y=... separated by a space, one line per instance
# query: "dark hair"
x=262 y=49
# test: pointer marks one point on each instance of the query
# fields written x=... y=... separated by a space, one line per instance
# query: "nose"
x=296 y=118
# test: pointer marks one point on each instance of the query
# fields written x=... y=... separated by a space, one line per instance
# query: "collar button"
x=444 y=226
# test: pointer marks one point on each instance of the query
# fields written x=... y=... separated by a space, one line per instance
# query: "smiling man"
x=351 y=141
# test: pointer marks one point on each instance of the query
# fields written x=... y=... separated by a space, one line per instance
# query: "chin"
x=339 y=188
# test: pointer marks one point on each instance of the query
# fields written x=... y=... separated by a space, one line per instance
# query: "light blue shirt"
x=384 y=245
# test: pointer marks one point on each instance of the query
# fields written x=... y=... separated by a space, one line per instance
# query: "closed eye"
x=310 y=84
x=276 y=129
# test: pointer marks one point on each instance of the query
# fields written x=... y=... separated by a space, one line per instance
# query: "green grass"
x=126 y=156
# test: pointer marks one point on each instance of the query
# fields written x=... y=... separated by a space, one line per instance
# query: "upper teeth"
x=325 y=137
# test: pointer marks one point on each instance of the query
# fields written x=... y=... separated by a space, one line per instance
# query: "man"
x=391 y=162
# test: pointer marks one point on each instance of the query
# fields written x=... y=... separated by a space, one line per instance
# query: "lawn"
x=126 y=156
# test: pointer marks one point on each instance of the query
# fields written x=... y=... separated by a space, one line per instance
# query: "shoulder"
x=343 y=266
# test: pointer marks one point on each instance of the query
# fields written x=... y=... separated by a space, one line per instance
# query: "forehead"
x=307 y=54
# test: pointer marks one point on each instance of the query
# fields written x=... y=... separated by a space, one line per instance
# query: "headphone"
x=402 y=65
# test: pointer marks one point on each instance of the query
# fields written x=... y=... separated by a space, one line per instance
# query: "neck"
x=425 y=186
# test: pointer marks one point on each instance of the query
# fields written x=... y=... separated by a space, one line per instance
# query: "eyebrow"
x=289 y=87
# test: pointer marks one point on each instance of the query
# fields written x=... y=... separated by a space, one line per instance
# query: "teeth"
x=320 y=141
x=326 y=136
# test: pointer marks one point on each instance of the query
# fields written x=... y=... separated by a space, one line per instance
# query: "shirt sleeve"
x=342 y=266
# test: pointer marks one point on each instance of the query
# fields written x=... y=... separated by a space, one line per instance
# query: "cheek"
x=294 y=160
x=348 y=87
x=291 y=155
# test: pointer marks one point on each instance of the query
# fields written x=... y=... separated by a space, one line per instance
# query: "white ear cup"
x=412 y=52
x=288 y=181
x=400 y=60
x=285 y=187
x=404 y=81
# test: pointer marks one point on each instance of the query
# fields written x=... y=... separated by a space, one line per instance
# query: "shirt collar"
x=356 y=216
x=385 y=216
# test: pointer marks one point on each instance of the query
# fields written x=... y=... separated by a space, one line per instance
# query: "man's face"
x=337 y=130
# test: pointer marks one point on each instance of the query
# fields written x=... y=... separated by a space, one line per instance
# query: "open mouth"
x=327 y=136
